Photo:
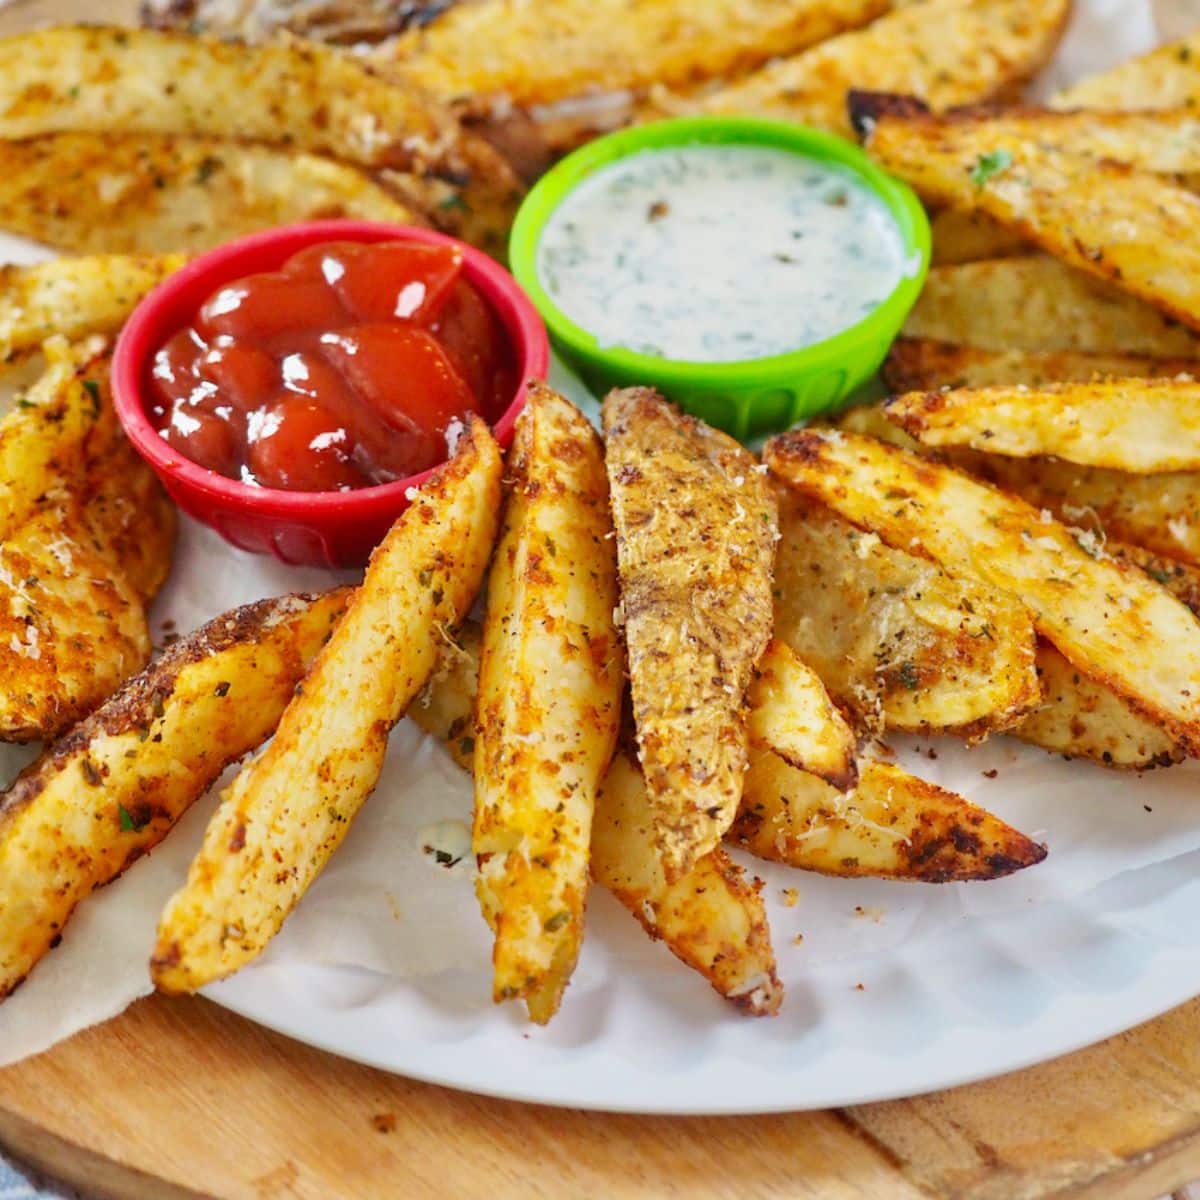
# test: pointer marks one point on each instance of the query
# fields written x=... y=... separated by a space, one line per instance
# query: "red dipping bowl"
x=330 y=529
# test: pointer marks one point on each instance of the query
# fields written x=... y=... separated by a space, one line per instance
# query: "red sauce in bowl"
x=344 y=369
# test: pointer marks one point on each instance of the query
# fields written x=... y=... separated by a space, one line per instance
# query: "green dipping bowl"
x=753 y=397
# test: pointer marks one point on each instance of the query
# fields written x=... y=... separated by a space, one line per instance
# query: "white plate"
x=993 y=995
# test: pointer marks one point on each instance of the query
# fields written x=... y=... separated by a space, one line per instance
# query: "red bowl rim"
x=142 y=335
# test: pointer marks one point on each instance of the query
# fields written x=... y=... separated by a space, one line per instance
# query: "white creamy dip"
x=714 y=253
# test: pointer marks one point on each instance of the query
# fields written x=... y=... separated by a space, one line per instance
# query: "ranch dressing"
x=715 y=253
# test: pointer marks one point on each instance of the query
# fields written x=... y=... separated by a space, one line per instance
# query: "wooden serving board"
x=182 y=1099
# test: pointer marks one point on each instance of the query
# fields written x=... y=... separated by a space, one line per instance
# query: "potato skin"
x=696 y=530
x=288 y=811
x=112 y=788
x=549 y=701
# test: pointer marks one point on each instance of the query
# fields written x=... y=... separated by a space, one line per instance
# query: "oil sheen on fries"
x=696 y=530
x=1110 y=621
x=549 y=704
x=289 y=810
x=114 y=786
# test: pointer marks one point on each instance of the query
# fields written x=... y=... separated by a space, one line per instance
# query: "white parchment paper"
x=381 y=905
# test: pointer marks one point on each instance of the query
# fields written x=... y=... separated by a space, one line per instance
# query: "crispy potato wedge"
x=712 y=919
x=1168 y=77
x=891 y=826
x=549 y=705
x=1163 y=142
x=74 y=297
x=44 y=432
x=288 y=811
x=946 y=51
x=1137 y=425
x=1040 y=304
x=1107 y=619
x=790 y=713
x=114 y=786
x=921 y=364
x=695 y=525
x=1083 y=718
x=489 y=50
x=961 y=236
x=1067 y=203
x=127 y=512
x=897 y=641
x=72 y=628
x=1160 y=513
x=299 y=95
x=145 y=194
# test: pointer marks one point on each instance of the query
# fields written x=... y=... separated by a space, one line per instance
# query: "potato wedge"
x=298 y=95
x=543 y=51
x=1164 y=142
x=1082 y=718
x=44 y=432
x=1168 y=77
x=962 y=236
x=897 y=641
x=1136 y=425
x=1040 y=304
x=790 y=713
x=549 y=706
x=287 y=812
x=695 y=525
x=946 y=51
x=921 y=364
x=1110 y=621
x=74 y=296
x=1067 y=203
x=114 y=786
x=891 y=826
x=144 y=194
x=712 y=919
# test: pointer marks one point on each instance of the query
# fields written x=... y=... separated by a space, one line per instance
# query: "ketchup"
x=343 y=369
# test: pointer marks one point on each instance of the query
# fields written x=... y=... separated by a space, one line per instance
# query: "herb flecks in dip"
x=714 y=253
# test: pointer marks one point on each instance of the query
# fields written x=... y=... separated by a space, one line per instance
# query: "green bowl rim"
x=548 y=193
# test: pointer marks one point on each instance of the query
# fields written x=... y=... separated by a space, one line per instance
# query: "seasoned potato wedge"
x=146 y=194
x=789 y=712
x=72 y=628
x=1083 y=718
x=1168 y=77
x=946 y=51
x=582 y=46
x=1164 y=142
x=114 y=786
x=287 y=812
x=1038 y=304
x=74 y=296
x=892 y=825
x=44 y=432
x=695 y=525
x=1067 y=203
x=921 y=364
x=549 y=705
x=962 y=236
x=305 y=97
x=1107 y=619
x=897 y=641
x=1135 y=425
x=712 y=919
